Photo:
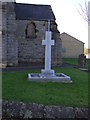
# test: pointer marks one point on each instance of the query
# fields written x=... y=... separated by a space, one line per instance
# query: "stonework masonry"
x=9 y=42
x=20 y=110
x=17 y=48
x=0 y=34
x=12 y=43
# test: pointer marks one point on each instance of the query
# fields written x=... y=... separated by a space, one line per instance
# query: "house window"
x=31 y=30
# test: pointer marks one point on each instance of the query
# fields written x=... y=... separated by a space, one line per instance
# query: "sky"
x=67 y=16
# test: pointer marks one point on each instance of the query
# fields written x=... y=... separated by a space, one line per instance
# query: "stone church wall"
x=12 y=45
x=4 y=33
x=9 y=42
x=18 y=48
x=30 y=50
x=0 y=34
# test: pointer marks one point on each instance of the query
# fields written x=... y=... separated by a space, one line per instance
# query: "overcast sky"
x=67 y=17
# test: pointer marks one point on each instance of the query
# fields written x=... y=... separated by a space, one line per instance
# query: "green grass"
x=16 y=87
x=74 y=61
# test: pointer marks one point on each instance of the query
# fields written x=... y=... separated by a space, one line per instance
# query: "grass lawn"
x=15 y=86
x=74 y=61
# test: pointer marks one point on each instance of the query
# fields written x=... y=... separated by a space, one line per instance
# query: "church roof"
x=34 y=12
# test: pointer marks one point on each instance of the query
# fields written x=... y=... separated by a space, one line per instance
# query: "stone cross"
x=48 y=42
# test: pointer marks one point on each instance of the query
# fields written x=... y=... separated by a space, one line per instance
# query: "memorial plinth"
x=47 y=74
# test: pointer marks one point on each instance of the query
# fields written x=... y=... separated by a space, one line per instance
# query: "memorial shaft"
x=48 y=42
x=48 y=51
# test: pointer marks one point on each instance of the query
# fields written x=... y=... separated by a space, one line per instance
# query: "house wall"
x=16 y=48
x=71 y=47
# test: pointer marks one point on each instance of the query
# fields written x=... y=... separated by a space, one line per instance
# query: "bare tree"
x=85 y=11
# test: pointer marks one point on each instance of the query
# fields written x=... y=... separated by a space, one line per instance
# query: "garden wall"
x=22 y=110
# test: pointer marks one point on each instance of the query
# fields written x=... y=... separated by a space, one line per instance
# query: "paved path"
x=32 y=67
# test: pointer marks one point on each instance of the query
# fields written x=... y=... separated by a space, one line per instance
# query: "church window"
x=31 y=30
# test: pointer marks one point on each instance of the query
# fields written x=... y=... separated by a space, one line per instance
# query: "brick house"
x=71 y=47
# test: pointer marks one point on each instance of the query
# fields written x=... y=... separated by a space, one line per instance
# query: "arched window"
x=31 y=30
